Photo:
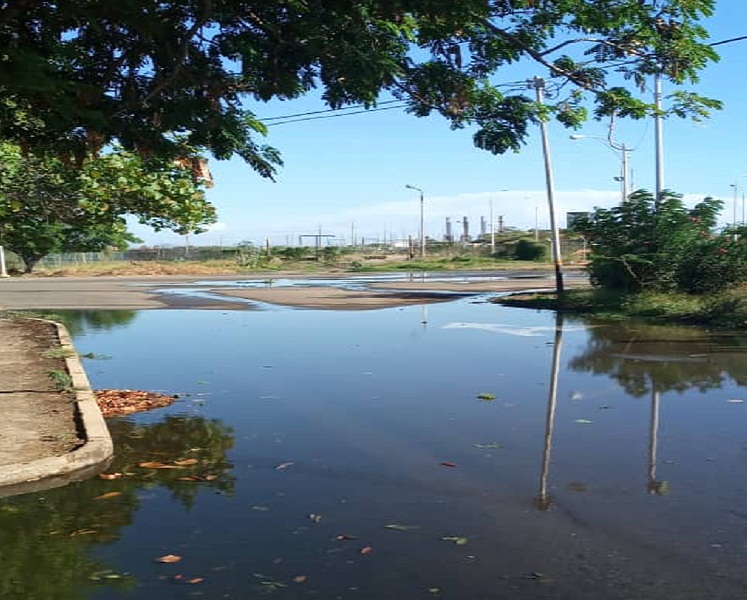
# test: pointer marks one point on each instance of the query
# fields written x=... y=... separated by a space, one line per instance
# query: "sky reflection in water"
x=371 y=421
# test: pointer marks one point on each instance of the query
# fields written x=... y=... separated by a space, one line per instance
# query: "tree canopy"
x=46 y=207
x=170 y=78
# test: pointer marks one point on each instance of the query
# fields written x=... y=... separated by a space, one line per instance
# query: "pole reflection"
x=544 y=501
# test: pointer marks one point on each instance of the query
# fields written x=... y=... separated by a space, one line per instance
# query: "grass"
x=61 y=380
x=58 y=353
x=726 y=309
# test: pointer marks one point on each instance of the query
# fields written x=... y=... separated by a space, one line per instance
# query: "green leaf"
x=398 y=527
x=457 y=540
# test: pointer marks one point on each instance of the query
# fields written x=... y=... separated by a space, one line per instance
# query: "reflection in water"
x=345 y=425
x=665 y=358
x=46 y=539
x=653 y=486
x=544 y=501
x=81 y=321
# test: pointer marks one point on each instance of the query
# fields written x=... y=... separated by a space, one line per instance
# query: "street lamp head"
x=412 y=187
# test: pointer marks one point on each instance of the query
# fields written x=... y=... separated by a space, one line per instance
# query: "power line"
x=332 y=113
x=729 y=41
x=290 y=118
x=326 y=110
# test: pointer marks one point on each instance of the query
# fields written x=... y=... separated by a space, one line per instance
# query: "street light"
x=422 y=221
x=621 y=150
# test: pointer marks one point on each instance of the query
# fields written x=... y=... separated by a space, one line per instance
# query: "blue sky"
x=348 y=174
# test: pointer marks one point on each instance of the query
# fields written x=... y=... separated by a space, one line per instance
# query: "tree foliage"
x=663 y=246
x=47 y=207
x=167 y=77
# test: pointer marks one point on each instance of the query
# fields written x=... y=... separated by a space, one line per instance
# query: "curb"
x=89 y=459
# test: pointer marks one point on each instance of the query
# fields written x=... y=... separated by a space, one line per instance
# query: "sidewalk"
x=51 y=431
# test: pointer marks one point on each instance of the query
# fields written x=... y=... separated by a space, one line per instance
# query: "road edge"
x=89 y=459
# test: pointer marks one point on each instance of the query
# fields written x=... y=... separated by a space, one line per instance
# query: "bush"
x=529 y=250
x=643 y=245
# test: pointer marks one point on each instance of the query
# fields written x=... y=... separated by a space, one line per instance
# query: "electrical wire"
x=332 y=113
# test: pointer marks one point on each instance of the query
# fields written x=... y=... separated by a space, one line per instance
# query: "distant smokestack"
x=465 y=229
x=483 y=226
x=449 y=236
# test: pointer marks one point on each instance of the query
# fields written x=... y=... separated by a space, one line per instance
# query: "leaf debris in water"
x=488 y=446
x=398 y=527
x=458 y=540
x=583 y=421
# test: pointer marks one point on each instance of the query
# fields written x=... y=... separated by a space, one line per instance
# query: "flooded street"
x=450 y=450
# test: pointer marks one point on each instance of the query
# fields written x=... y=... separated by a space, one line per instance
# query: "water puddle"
x=457 y=450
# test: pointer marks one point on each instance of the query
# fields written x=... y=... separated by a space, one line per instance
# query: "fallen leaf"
x=366 y=550
x=82 y=532
x=284 y=466
x=107 y=496
x=343 y=537
x=260 y=508
x=151 y=465
x=168 y=558
x=300 y=579
x=583 y=421
x=458 y=540
x=447 y=463
x=489 y=446
x=486 y=396
x=110 y=475
x=186 y=462
x=196 y=580
x=398 y=527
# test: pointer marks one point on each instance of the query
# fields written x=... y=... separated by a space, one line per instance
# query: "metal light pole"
x=492 y=229
x=736 y=195
x=622 y=151
x=3 y=270
x=422 y=219
x=659 y=136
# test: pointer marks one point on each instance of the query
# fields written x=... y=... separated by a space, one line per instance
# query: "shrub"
x=529 y=250
x=663 y=246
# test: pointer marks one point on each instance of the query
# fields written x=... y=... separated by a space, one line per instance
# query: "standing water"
x=459 y=450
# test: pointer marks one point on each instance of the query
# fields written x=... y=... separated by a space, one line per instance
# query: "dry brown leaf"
x=196 y=580
x=110 y=475
x=366 y=550
x=168 y=558
x=300 y=578
x=107 y=496
x=186 y=462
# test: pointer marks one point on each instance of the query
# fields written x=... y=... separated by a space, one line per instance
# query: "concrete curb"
x=87 y=460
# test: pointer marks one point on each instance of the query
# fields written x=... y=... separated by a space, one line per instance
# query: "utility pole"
x=659 y=136
x=539 y=86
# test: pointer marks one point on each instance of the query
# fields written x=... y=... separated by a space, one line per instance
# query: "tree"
x=663 y=246
x=165 y=78
x=47 y=207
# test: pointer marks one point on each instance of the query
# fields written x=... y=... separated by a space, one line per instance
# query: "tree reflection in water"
x=642 y=357
x=46 y=538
